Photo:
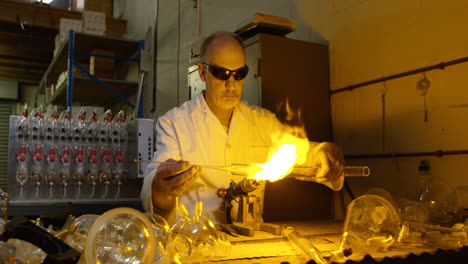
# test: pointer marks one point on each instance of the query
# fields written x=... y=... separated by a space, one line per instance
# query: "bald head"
x=218 y=40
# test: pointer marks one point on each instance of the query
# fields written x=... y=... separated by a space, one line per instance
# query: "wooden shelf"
x=89 y=92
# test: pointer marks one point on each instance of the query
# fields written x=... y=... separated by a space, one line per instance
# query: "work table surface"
x=324 y=235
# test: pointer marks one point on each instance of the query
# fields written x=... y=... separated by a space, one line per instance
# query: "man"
x=218 y=129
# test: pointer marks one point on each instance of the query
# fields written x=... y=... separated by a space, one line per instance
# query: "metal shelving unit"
x=76 y=51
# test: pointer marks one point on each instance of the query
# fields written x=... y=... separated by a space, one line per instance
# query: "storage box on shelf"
x=67 y=24
x=85 y=68
x=102 y=67
x=94 y=22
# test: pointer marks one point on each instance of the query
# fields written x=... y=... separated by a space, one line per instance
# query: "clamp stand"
x=247 y=216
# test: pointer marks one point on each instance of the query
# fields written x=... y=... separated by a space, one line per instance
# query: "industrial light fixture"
x=44 y=1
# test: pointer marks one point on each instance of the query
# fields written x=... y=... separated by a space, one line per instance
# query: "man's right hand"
x=172 y=179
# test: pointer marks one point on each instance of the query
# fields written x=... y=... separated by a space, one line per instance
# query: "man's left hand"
x=330 y=162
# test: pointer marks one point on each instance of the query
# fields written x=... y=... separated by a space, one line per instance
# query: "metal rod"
x=71 y=63
x=440 y=66
x=79 y=53
x=438 y=153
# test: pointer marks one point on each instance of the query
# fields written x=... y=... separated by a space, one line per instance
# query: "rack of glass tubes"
x=55 y=157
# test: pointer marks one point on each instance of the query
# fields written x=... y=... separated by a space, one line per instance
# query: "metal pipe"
x=245 y=186
x=440 y=66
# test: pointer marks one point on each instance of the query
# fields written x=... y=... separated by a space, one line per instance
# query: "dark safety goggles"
x=223 y=74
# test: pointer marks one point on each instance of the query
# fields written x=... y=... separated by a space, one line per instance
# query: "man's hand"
x=330 y=161
x=172 y=179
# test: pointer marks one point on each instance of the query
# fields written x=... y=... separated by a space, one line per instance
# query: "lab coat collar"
x=201 y=105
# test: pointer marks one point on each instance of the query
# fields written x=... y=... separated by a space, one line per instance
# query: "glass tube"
x=250 y=169
x=309 y=250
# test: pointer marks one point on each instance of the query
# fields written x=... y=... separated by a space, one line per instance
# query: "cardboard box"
x=66 y=24
x=94 y=21
x=95 y=32
x=102 y=67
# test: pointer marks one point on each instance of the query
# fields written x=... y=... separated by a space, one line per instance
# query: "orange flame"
x=290 y=147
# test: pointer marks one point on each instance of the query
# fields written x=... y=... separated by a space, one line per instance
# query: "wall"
x=8 y=90
x=373 y=39
x=139 y=15
x=184 y=23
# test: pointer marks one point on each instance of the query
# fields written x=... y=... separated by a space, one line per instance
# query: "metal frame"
x=72 y=64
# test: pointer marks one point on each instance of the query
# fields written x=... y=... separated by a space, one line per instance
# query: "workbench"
x=324 y=235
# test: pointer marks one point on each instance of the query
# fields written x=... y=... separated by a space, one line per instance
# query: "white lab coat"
x=192 y=132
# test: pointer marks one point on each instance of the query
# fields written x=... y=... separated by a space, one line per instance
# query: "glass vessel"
x=372 y=224
x=121 y=235
x=193 y=238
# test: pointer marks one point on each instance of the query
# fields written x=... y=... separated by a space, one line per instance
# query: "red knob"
x=80 y=159
x=80 y=152
x=38 y=157
x=93 y=152
x=52 y=158
x=95 y=160
x=66 y=151
x=108 y=159
x=22 y=150
x=66 y=159
x=22 y=157
x=38 y=150
x=119 y=159
x=52 y=151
